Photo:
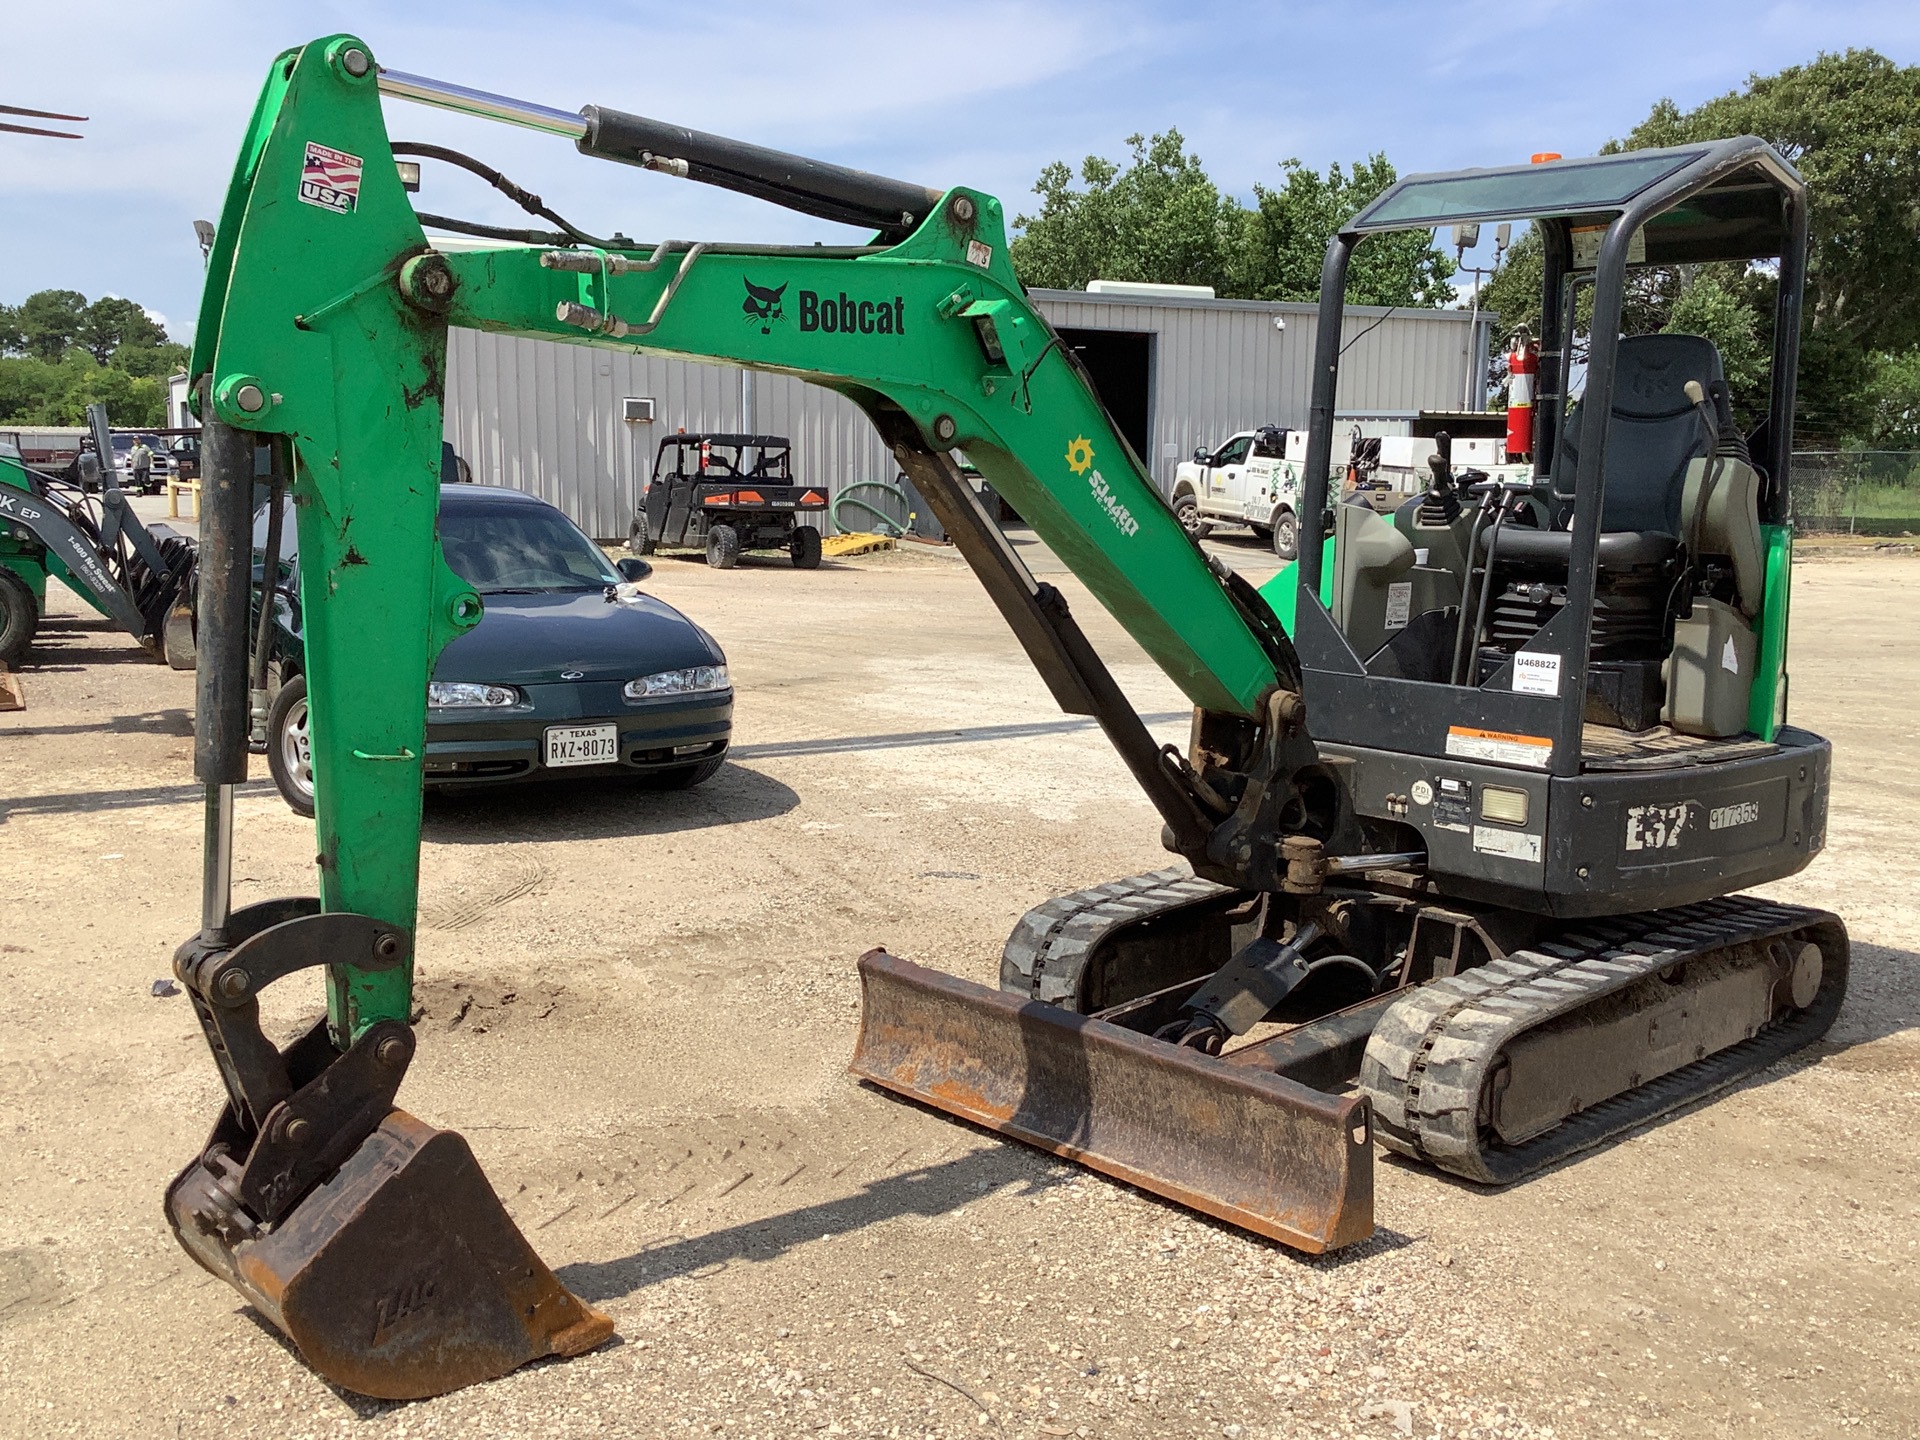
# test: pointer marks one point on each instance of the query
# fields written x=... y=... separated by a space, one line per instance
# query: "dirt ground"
x=639 y=1008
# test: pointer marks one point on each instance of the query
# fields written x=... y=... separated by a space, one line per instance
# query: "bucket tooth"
x=1247 y=1147
x=400 y=1277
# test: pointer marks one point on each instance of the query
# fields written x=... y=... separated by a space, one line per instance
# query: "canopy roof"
x=1719 y=200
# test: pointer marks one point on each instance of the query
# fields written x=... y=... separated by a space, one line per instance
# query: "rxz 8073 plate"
x=582 y=745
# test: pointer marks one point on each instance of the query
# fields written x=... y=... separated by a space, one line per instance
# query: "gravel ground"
x=639 y=1008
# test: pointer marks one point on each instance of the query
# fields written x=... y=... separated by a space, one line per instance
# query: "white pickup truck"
x=1252 y=480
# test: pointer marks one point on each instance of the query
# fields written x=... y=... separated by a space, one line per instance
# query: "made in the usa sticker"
x=331 y=179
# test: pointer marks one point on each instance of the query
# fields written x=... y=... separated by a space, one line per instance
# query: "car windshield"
x=522 y=548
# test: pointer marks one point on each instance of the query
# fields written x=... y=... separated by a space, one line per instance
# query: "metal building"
x=570 y=423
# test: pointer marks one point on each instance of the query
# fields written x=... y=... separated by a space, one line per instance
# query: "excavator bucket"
x=400 y=1277
x=1247 y=1147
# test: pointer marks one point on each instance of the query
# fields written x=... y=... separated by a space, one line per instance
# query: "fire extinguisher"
x=1523 y=363
x=706 y=453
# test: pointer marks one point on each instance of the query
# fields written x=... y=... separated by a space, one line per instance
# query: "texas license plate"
x=582 y=745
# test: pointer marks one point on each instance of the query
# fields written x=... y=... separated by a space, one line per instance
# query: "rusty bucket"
x=1260 y=1152
x=400 y=1277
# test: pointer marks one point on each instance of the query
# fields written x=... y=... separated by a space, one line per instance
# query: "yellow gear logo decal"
x=1080 y=455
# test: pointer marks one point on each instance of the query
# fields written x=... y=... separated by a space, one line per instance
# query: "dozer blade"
x=400 y=1277
x=1247 y=1147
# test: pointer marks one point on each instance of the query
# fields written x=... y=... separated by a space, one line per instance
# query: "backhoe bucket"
x=1247 y=1147
x=400 y=1277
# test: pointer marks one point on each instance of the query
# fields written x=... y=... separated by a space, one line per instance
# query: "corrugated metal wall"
x=545 y=417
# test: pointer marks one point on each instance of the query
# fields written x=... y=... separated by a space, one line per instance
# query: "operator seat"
x=1654 y=517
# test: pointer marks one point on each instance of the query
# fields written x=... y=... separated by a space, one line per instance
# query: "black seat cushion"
x=1653 y=432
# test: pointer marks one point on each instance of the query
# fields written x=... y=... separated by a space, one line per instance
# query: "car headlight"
x=459 y=695
x=696 y=680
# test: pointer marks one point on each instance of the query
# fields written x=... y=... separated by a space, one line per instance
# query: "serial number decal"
x=1725 y=817
x=1657 y=827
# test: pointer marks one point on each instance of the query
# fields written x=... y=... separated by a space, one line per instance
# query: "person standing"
x=140 y=461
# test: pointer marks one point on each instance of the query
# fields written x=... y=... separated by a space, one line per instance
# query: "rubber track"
x=1428 y=1061
x=1049 y=948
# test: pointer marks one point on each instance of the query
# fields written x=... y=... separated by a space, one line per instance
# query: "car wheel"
x=1186 y=510
x=723 y=547
x=290 y=746
x=804 y=545
x=1286 y=535
x=685 y=777
x=19 y=617
x=639 y=538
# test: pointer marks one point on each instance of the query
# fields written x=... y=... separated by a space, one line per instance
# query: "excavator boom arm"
x=325 y=323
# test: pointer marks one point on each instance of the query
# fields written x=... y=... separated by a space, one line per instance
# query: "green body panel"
x=23 y=554
x=20 y=552
x=1282 y=592
x=1767 y=702
x=302 y=301
x=311 y=304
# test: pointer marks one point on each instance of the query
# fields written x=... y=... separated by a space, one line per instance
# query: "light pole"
x=1465 y=237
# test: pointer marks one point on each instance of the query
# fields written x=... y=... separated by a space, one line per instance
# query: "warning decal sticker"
x=1533 y=751
x=330 y=179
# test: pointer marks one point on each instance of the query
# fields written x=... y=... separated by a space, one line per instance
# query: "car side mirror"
x=632 y=568
x=1202 y=455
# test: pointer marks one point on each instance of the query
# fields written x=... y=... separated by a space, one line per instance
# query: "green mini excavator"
x=1467 y=794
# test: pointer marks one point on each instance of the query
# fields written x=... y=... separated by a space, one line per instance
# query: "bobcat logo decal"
x=763 y=305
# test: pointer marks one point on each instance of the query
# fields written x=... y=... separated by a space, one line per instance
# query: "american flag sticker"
x=330 y=179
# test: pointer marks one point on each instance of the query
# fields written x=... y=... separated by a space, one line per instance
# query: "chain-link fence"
x=1856 y=492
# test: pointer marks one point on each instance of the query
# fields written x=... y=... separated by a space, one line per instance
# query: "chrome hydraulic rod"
x=444 y=95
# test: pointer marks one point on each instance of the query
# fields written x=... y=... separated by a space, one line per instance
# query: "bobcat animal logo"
x=763 y=305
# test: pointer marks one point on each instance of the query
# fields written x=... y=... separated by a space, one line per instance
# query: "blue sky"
x=983 y=93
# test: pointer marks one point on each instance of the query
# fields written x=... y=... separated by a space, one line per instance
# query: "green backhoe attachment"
x=370 y=1239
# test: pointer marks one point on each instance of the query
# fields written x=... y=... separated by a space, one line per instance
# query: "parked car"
x=572 y=670
x=184 y=451
x=727 y=493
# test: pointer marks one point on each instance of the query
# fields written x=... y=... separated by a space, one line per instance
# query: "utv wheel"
x=685 y=777
x=290 y=746
x=723 y=547
x=804 y=545
x=639 y=538
x=19 y=618
x=1286 y=535
x=1186 y=510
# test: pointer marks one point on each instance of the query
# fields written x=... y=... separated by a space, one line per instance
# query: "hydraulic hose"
x=847 y=497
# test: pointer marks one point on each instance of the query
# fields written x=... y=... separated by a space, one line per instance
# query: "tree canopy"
x=1851 y=125
x=62 y=352
x=1160 y=218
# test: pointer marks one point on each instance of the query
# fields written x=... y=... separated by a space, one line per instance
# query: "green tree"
x=157 y=361
x=1158 y=219
x=1287 y=232
x=1894 y=423
x=1707 y=305
x=69 y=354
x=49 y=321
x=110 y=323
x=1851 y=124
